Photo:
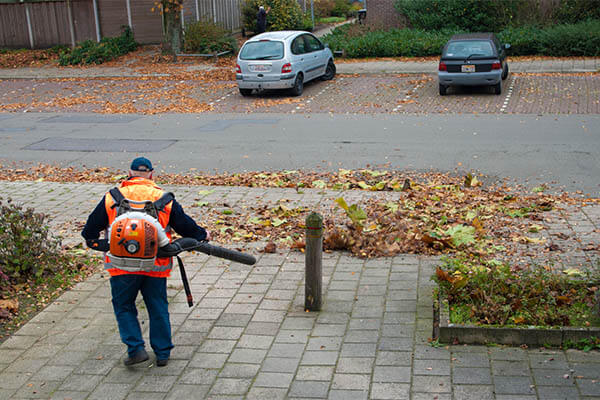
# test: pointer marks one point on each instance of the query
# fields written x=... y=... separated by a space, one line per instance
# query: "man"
x=261 y=19
x=152 y=284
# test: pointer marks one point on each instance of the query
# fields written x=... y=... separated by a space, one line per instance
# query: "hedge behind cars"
x=358 y=41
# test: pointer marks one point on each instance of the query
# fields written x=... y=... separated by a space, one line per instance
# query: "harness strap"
x=117 y=196
x=160 y=204
x=165 y=199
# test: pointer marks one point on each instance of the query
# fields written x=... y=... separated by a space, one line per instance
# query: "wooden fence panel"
x=50 y=24
x=147 y=25
x=83 y=20
x=13 y=26
x=113 y=15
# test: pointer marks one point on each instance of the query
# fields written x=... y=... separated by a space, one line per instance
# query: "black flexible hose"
x=190 y=244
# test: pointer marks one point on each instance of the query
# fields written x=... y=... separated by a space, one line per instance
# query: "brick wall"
x=383 y=12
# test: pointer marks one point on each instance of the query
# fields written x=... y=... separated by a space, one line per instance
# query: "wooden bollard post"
x=313 y=259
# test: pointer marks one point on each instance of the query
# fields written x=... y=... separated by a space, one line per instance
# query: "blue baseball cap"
x=141 y=164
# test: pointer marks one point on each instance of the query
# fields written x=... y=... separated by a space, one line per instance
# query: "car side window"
x=313 y=44
x=298 y=46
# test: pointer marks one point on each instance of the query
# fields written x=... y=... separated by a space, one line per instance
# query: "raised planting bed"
x=482 y=302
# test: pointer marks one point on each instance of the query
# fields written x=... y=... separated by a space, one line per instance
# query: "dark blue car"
x=473 y=59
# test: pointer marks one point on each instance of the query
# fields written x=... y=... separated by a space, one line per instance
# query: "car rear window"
x=469 y=48
x=262 y=50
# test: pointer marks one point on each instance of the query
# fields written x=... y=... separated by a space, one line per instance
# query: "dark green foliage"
x=284 y=14
x=493 y=293
x=206 y=37
x=341 y=8
x=581 y=39
x=472 y=15
x=27 y=247
x=364 y=41
x=91 y=52
x=573 y=11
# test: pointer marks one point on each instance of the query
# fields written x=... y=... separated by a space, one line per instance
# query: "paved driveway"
x=523 y=93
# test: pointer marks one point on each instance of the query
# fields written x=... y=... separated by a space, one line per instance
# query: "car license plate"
x=468 y=68
x=259 y=67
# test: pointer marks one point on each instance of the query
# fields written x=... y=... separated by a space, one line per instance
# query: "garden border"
x=447 y=332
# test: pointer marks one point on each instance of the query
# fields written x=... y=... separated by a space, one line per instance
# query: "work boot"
x=162 y=363
x=137 y=358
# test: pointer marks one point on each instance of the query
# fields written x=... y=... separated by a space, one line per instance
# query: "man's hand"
x=207 y=236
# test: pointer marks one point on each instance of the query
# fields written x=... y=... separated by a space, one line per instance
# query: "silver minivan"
x=282 y=60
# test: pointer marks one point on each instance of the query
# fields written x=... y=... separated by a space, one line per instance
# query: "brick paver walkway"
x=248 y=337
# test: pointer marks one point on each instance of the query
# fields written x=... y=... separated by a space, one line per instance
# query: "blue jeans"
x=124 y=290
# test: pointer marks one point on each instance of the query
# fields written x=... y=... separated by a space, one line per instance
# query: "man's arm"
x=184 y=225
x=96 y=222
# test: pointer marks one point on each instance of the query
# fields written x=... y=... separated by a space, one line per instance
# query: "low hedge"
x=207 y=37
x=358 y=41
x=92 y=52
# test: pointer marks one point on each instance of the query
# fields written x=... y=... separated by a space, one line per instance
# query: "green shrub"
x=363 y=41
x=472 y=15
x=284 y=14
x=341 y=8
x=573 y=11
x=90 y=52
x=27 y=247
x=207 y=37
x=582 y=39
x=323 y=8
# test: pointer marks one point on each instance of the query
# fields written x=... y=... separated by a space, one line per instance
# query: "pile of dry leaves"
x=424 y=213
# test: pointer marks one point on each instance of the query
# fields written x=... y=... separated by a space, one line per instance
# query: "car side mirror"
x=326 y=45
x=506 y=46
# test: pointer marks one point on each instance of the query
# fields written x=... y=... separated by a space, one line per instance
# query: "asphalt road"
x=530 y=149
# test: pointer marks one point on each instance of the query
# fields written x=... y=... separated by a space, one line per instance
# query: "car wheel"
x=245 y=92
x=329 y=71
x=298 y=87
x=443 y=89
x=505 y=71
x=498 y=88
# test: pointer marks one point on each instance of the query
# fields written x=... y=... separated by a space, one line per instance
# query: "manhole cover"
x=221 y=125
x=91 y=119
x=101 y=145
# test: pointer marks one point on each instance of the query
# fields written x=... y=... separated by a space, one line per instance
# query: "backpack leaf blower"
x=186 y=244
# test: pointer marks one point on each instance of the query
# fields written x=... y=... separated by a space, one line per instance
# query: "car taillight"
x=442 y=67
x=238 y=70
x=496 y=65
x=286 y=69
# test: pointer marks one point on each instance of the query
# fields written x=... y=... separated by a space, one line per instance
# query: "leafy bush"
x=206 y=37
x=323 y=8
x=474 y=15
x=582 y=39
x=341 y=8
x=90 y=52
x=27 y=247
x=573 y=11
x=364 y=41
x=284 y=14
x=492 y=293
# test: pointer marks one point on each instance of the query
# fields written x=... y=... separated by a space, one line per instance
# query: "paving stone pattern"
x=248 y=337
x=530 y=93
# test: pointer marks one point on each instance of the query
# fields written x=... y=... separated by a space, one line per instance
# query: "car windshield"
x=262 y=50
x=469 y=49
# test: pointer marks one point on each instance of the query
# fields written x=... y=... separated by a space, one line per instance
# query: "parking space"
x=523 y=93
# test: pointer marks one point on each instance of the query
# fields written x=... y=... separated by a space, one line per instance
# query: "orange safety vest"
x=141 y=189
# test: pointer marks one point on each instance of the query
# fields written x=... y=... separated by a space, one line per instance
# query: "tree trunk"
x=172 y=30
